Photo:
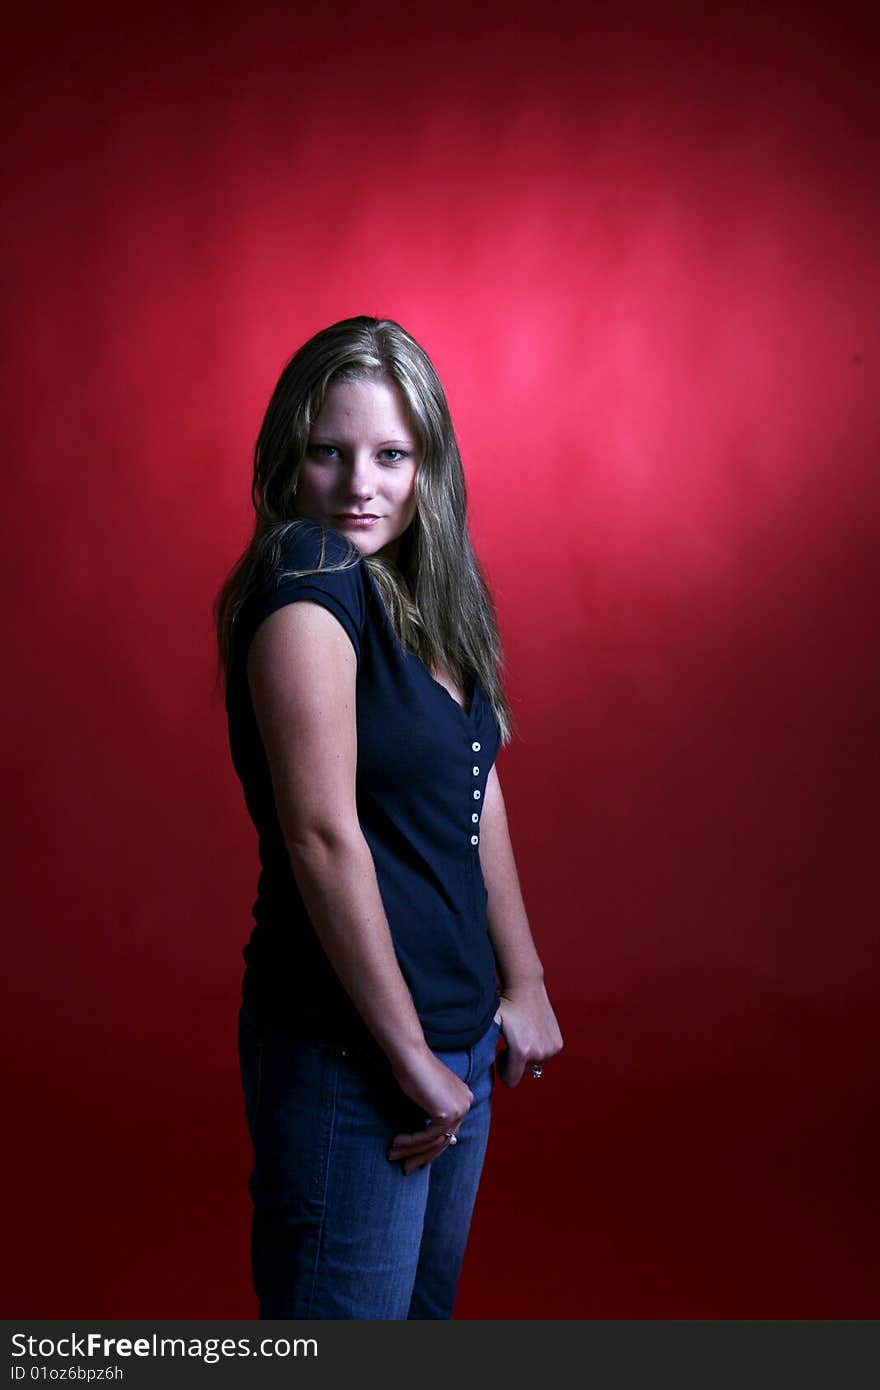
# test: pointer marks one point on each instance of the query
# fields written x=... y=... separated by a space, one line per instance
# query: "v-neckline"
x=466 y=714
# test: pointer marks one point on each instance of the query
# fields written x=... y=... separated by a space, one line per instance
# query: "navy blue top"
x=422 y=764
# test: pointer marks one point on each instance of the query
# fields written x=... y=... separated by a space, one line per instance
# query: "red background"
x=640 y=246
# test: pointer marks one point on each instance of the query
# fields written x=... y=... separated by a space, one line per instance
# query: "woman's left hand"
x=530 y=1030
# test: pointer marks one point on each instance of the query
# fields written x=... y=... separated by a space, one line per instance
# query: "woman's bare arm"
x=301 y=671
x=527 y=1019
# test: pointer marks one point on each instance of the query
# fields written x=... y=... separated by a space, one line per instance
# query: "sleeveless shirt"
x=422 y=765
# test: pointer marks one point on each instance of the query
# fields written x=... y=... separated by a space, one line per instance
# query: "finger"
x=434 y=1125
x=421 y=1137
x=394 y=1155
x=411 y=1163
x=511 y=1066
x=408 y=1146
x=414 y=1140
x=431 y=1145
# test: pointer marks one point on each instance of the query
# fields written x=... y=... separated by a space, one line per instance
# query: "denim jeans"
x=338 y=1231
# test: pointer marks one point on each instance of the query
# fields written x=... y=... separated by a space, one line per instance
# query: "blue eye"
x=322 y=450
x=399 y=453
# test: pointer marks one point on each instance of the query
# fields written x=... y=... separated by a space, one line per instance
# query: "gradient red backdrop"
x=640 y=245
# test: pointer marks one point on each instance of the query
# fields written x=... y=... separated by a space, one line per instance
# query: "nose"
x=362 y=477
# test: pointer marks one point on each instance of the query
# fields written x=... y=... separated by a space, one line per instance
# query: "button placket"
x=475 y=771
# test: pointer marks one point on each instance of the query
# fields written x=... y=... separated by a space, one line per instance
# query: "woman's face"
x=359 y=470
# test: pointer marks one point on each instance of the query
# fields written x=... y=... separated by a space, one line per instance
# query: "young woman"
x=391 y=947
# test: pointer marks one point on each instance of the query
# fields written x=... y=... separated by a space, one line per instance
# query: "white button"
x=474 y=816
x=475 y=747
x=475 y=839
x=476 y=796
x=476 y=772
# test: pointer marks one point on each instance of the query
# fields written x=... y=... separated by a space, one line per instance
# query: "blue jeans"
x=338 y=1231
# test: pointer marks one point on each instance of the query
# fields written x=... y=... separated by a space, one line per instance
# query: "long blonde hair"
x=435 y=594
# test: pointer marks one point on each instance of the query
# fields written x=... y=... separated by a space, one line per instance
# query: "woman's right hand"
x=443 y=1097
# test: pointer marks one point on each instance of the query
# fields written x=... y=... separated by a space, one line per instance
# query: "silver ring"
x=451 y=1137
x=537 y=1070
